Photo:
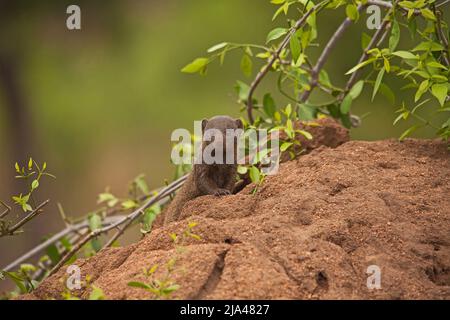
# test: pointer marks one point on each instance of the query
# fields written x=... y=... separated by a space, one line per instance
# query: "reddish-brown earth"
x=309 y=232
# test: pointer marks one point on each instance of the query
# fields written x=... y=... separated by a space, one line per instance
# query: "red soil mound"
x=309 y=232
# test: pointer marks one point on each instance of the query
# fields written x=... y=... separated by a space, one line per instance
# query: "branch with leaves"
x=84 y=232
x=424 y=67
x=124 y=222
x=32 y=173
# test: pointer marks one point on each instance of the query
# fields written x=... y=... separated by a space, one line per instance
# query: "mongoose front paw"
x=222 y=192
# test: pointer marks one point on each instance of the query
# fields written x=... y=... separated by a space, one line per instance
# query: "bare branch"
x=8 y=209
x=441 y=35
x=120 y=231
x=375 y=41
x=30 y=216
x=389 y=5
x=55 y=238
x=299 y=24
x=442 y=3
x=325 y=54
x=126 y=220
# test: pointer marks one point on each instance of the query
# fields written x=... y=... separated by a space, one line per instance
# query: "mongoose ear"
x=239 y=124
x=204 y=123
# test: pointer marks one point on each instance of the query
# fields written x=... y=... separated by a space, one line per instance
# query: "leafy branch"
x=121 y=224
x=428 y=60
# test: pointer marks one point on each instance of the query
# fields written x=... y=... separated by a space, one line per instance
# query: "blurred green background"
x=99 y=104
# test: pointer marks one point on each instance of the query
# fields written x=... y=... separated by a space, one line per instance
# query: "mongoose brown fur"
x=207 y=179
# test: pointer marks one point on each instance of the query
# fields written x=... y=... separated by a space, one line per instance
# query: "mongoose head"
x=218 y=131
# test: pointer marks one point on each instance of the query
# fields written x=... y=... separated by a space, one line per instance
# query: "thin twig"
x=120 y=232
x=389 y=5
x=63 y=215
x=162 y=195
x=55 y=238
x=325 y=54
x=30 y=216
x=441 y=36
x=8 y=209
x=132 y=216
x=442 y=3
x=299 y=24
x=375 y=41
x=78 y=229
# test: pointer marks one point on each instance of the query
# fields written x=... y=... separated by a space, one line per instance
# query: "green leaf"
x=53 y=254
x=377 y=83
x=96 y=245
x=387 y=65
x=198 y=65
x=25 y=198
x=269 y=105
x=242 y=90
x=246 y=65
x=136 y=284
x=34 y=184
x=434 y=64
x=242 y=169
x=170 y=289
x=16 y=166
x=352 y=12
x=95 y=222
x=295 y=48
x=408 y=132
x=395 y=36
x=360 y=65
x=107 y=197
x=346 y=104
x=285 y=146
x=284 y=8
x=142 y=184
x=275 y=34
x=27 y=267
x=365 y=40
x=255 y=175
x=400 y=116
x=129 y=204
x=407 y=4
x=96 y=294
x=428 y=14
x=306 y=134
x=289 y=129
x=439 y=77
x=217 y=47
x=405 y=55
x=428 y=46
x=324 y=78
x=149 y=217
x=18 y=281
x=440 y=90
x=66 y=243
x=356 y=90
x=421 y=90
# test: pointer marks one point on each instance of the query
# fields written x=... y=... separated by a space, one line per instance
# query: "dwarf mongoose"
x=208 y=179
